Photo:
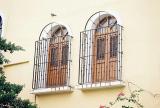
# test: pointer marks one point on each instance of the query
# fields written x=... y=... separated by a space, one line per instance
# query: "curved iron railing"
x=100 y=55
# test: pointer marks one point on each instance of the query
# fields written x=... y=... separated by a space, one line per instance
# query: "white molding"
x=54 y=25
x=93 y=86
x=95 y=17
x=3 y=23
x=68 y=28
x=42 y=91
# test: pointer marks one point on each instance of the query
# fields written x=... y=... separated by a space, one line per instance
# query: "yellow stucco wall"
x=24 y=20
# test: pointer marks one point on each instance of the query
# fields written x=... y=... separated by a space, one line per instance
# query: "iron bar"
x=45 y=73
x=100 y=56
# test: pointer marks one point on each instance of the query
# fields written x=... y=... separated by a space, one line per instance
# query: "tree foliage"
x=7 y=46
x=8 y=91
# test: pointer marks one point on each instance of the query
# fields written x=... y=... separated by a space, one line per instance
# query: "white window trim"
x=41 y=91
x=90 y=26
x=3 y=23
x=94 y=86
x=54 y=24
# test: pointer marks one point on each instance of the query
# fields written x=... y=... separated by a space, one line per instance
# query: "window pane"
x=113 y=46
x=100 y=48
x=64 y=54
x=54 y=56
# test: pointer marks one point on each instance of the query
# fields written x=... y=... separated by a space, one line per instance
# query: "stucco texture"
x=24 y=20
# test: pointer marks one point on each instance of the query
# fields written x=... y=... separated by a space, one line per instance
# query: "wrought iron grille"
x=100 y=56
x=52 y=62
x=0 y=26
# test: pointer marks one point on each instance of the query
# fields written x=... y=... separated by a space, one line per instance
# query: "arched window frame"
x=3 y=23
x=42 y=54
x=0 y=26
x=85 y=68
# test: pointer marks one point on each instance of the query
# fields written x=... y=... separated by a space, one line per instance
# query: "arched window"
x=52 y=57
x=0 y=26
x=100 y=49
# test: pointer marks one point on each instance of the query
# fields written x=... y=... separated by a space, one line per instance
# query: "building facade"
x=83 y=53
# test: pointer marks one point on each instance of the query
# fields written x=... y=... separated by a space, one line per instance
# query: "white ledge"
x=92 y=86
x=41 y=91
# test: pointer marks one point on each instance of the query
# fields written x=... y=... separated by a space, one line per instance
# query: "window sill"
x=93 y=86
x=42 y=91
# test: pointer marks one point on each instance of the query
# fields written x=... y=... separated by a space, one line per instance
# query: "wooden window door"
x=105 y=43
x=57 y=61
